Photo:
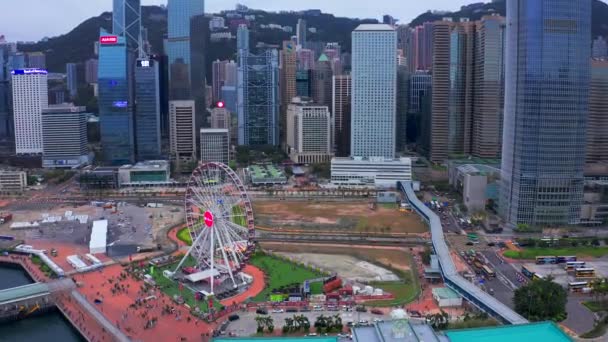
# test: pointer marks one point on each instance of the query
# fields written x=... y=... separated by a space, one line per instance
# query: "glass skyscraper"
x=548 y=47
x=374 y=82
x=115 y=106
x=147 y=110
x=126 y=21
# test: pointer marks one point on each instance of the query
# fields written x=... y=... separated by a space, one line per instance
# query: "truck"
x=5 y=217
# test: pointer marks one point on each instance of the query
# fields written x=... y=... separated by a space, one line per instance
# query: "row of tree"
x=296 y=323
x=264 y=322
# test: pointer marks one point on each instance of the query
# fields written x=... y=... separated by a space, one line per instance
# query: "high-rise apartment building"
x=90 y=70
x=341 y=125
x=71 y=75
x=115 y=100
x=597 y=126
x=215 y=145
x=64 y=136
x=546 y=108
x=147 y=110
x=36 y=60
x=308 y=132
x=301 y=32
x=374 y=81
x=231 y=70
x=257 y=96
x=30 y=97
x=183 y=134
x=439 y=142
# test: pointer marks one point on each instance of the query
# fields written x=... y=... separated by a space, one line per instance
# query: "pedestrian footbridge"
x=451 y=277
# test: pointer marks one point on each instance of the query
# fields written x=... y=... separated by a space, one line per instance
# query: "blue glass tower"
x=147 y=110
x=126 y=21
x=115 y=106
x=546 y=107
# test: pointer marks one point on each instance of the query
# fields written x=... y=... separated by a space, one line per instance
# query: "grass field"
x=404 y=291
x=531 y=253
x=238 y=218
x=184 y=235
x=279 y=273
x=596 y=306
x=316 y=287
x=351 y=217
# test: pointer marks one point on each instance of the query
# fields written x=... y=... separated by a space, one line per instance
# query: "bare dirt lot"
x=352 y=216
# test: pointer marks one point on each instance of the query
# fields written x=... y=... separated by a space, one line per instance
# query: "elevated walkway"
x=451 y=277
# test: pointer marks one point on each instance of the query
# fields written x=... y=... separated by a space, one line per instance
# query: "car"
x=377 y=311
x=278 y=311
x=234 y=317
x=470 y=243
x=502 y=245
x=361 y=309
x=378 y=320
x=415 y=313
x=491 y=244
x=349 y=323
x=305 y=309
x=291 y=310
x=363 y=322
x=312 y=334
x=261 y=311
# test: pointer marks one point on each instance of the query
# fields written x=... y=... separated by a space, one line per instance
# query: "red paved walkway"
x=254 y=289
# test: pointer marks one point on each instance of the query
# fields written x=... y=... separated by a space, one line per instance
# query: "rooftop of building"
x=214 y=130
x=148 y=164
x=265 y=171
x=397 y=331
x=475 y=160
x=543 y=331
x=478 y=169
x=445 y=293
x=64 y=108
x=370 y=160
x=374 y=27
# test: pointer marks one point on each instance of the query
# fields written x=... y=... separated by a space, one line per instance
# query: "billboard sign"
x=108 y=39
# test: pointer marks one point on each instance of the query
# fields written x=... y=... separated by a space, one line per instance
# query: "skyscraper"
x=64 y=136
x=30 y=97
x=115 y=100
x=374 y=78
x=597 y=127
x=258 y=98
x=6 y=118
x=126 y=22
x=215 y=145
x=308 y=132
x=322 y=81
x=218 y=78
x=546 y=108
x=439 y=121
x=600 y=48
x=90 y=70
x=341 y=102
x=71 y=75
x=301 y=31
x=147 y=110
x=288 y=63
x=183 y=135
x=403 y=92
x=36 y=60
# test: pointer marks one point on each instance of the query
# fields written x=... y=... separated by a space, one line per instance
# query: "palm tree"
x=338 y=323
x=288 y=325
x=269 y=321
x=260 y=320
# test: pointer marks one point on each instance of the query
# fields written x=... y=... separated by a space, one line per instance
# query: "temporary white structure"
x=99 y=236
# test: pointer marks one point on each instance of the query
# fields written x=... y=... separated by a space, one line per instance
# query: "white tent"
x=99 y=236
x=198 y=276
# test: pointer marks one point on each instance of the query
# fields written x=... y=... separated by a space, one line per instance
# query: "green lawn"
x=316 y=287
x=239 y=218
x=171 y=287
x=279 y=273
x=184 y=235
x=596 y=306
x=531 y=253
x=404 y=291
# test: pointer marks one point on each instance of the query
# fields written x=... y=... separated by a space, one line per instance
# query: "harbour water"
x=46 y=327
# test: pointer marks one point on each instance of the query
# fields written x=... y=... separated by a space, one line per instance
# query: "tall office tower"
x=374 y=92
x=460 y=96
x=71 y=75
x=90 y=70
x=306 y=59
x=546 y=109
x=419 y=112
x=322 y=82
x=405 y=42
x=64 y=137
x=308 y=132
x=30 y=97
x=6 y=118
x=183 y=134
x=147 y=110
x=220 y=118
x=420 y=86
x=488 y=94
x=231 y=74
x=600 y=48
x=597 y=138
x=229 y=97
x=178 y=46
x=16 y=61
x=215 y=145
x=422 y=53
x=115 y=100
x=304 y=83
x=126 y=22
x=301 y=31
x=288 y=62
x=36 y=60
x=403 y=92
x=439 y=142
x=341 y=123
x=218 y=78
x=242 y=38
x=258 y=99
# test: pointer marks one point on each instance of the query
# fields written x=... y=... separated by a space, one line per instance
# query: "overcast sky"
x=34 y=19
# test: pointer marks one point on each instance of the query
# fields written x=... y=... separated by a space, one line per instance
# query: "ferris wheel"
x=219 y=217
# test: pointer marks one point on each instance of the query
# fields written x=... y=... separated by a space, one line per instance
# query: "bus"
x=538 y=276
x=540 y=260
x=572 y=265
x=564 y=259
x=585 y=272
x=472 y=236
x=525 y=271
x=577 y=286
x=488 y=272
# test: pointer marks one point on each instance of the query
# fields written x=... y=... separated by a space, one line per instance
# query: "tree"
x=426 y=255
x=269 y=322
x=541 y=300
x=438 y=321
x=260 y=320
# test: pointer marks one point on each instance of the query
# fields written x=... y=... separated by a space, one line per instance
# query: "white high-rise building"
x=183 y=133
x=64 y=136
x=215 y=145
x=374 y=92
x=30 y=97
x=308 y=132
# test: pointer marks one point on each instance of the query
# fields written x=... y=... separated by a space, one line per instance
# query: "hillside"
x=77 y=45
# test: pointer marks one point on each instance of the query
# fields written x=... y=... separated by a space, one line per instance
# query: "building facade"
x=71 y=75
x=546 y=109
x=288 y=63
x=308 y=132
x=90 y=70
x=126 y=22
x=183 y=135
x=374 y=82
x=439 y=121
x=220 y=118
x=64 y=136
x=147 y=110
x=341 y=102
x=301 y=32
x=597 y=127
x=215 y=145
x=30 y=97
x=12 y=182
x=370 y=172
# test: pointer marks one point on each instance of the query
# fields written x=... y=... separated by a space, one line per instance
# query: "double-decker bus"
x=577 y=286
x=562 y=259
x=572 y=265
x=488 y=272
x=525 y=271
x=546 y=260
x=585 y=272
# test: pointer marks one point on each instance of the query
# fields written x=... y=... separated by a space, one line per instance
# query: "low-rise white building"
x=12 y=182
x=147 y=173
x=370 y=172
